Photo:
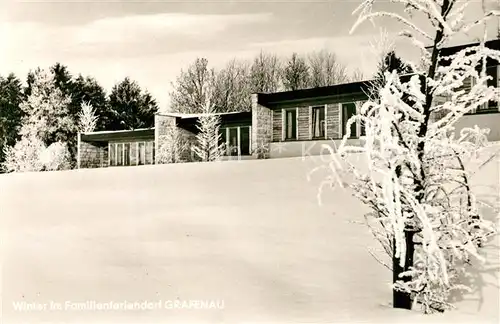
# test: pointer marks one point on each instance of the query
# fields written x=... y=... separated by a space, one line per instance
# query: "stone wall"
x=166 y=130
x=261 y=129
x=92 y=155
x=190 y=139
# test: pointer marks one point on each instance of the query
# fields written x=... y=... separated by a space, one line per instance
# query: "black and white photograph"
x=218 y=161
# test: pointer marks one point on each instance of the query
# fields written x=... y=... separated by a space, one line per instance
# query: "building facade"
x=284 y=124
x=116 y=148
x=301 y=122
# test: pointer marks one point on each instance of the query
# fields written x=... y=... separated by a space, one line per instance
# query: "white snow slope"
x=248 y=233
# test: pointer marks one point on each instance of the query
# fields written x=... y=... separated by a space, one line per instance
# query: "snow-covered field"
x=250 y=233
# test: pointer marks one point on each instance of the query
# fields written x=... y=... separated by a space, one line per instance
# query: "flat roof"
x=450 y=50
x=185 y=116
x=313 y=93
x=105 y=136
x=342 y=89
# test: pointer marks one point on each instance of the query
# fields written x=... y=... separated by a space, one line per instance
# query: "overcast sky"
x=150 y=41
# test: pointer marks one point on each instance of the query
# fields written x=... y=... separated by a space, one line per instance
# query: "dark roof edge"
x=117 y=135
x=342 y=89
x=462 y=46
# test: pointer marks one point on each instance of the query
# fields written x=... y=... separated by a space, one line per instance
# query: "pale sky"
x=151 y=41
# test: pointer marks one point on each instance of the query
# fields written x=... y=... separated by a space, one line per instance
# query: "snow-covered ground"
x=250 y=233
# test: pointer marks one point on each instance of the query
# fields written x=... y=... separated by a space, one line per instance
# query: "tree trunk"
x=402 y=299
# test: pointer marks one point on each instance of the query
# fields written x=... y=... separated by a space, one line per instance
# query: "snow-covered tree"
x=357 y=75
x=46 y=122
x=231 y=89
x=192 y=87
x=46 y=111
x=326 y=69
x=174 y=148
x=10 y=114
x=295 y=73
x=24 y=156
x=208 y=147
x=265 y=73
x=87 y=119
x=413 y=170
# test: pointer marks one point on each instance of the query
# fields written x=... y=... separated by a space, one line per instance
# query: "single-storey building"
x=235 y=129
x=295 y=123
x=282 y=124
x=116 y=148
x=140 y=146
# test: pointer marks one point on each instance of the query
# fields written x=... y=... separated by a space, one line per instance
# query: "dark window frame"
x=225 y=132
x=285 y=124
x=344 y=120
x=322 y=128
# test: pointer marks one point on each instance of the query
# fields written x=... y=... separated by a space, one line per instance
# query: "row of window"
x=318 y=125
x=132 y=153
x=318 y=128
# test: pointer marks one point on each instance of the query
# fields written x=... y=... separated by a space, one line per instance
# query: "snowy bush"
x=30 y=154
x=416 y=178
x=56 y=157
x=24 y=156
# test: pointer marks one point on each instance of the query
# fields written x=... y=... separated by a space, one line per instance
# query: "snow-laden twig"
x=415 y=175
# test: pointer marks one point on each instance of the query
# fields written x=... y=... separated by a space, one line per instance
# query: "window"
x=222 y=139
x=236 y=140
x=492 y=105
x=154 y=156
x=112 y=154
x=290 y=124
x=126 y=154
x=149 y=152
x=318 y=122
x=131 y=153
x=233 y=141
x=245 y=140
x=348 y=110
x=362 y=130
x=493 y=72
x=141 y=153
x=119 y=154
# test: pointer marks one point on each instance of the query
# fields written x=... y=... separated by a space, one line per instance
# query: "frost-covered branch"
x=411 y=168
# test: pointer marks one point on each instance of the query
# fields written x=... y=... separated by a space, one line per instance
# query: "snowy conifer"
x=208 y=147
x=415 y=173
x=87 y=119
